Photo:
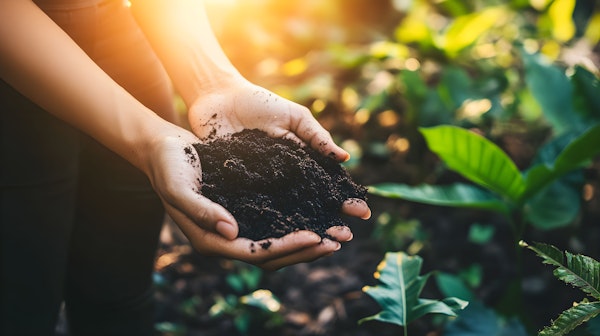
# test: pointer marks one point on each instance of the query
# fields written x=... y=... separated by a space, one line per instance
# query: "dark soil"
x=275 y=186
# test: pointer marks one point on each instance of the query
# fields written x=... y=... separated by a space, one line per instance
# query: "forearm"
x=181 y=35
x=40 y=61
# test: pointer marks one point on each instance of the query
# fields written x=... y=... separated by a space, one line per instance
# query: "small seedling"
x=399 y=290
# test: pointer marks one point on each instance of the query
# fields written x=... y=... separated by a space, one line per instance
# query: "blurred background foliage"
x=521 y=73
x=374 y=71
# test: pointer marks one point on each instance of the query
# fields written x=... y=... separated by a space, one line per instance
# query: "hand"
x=174 y=171
x=248 y=106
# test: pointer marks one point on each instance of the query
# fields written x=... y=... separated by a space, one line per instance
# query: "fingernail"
x=367 y=215
x=337 y=246
x=226 y=230
x=346 y=157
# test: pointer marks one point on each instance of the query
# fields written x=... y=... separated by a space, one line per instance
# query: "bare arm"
x=180 y=32
x=219 y=99
x=42 y=62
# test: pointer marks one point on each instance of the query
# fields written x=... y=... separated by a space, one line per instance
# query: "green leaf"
x=479 y=320
x=593 y=326
x=398 y=292
x=262 y=299
x=481 y=234
x=578 y=270
x=587 y=99
x=577 y=153
x=465 y=30
x=553 y=91
x=454 y=195
x=476 y=158
x=571 y=318
x=554 y=206
x=452 y=285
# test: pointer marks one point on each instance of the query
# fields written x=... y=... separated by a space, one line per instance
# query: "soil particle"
x=191 y=154
x=274 y=186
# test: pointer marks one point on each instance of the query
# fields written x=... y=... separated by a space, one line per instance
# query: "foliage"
x=478 y=320
x=383 y=75
x=399 y=290
x=579 y=271
x=247 y=278
x=260 y=307
x=482 y=162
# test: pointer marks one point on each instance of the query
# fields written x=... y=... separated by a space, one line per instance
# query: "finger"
x=253 y=252
x=308 y=129
x=357 y=208
x=340 y=233
x=325 y=248
x=207 y=214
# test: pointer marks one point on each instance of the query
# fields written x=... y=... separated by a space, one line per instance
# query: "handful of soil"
x=274 y=186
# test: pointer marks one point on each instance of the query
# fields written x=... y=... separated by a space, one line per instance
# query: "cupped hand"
x=248 y=106
x=175 y=172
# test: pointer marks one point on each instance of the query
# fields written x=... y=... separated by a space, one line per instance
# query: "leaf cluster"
x=579 y=271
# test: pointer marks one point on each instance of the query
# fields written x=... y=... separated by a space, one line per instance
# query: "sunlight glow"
x=295 y=67
x=388 y=118
x=318 y=105
x=412 y=64
x=474 y=108
x=362 y=116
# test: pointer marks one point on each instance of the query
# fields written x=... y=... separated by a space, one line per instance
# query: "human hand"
x=244 y=105
x=175 y=173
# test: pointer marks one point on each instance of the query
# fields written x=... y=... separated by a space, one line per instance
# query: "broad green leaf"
x=454 y=195
x=557 y=203
x=552 y=90
x=455 y=87
x=587 y=99
x=398 y=292
x=465 y=30
x=579 y=151
x=571 y=318
x=593 y=326
x=476 y=158
x=578 y=270
x=452 y=285
x=479 y=320
x=576 y=154
x=555 y=206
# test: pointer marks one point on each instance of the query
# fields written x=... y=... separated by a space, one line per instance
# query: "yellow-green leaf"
x=465 y=30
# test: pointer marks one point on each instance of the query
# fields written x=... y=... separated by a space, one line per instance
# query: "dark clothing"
x=78 y=223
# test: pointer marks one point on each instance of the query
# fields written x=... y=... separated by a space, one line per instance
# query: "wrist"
x=219 y=80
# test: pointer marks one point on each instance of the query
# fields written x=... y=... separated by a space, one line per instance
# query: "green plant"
x=398 y=292
x=259 y=308
x=581 y=272
x=501 y=186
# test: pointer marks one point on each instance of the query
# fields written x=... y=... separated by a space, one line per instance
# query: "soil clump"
x=275 y=186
